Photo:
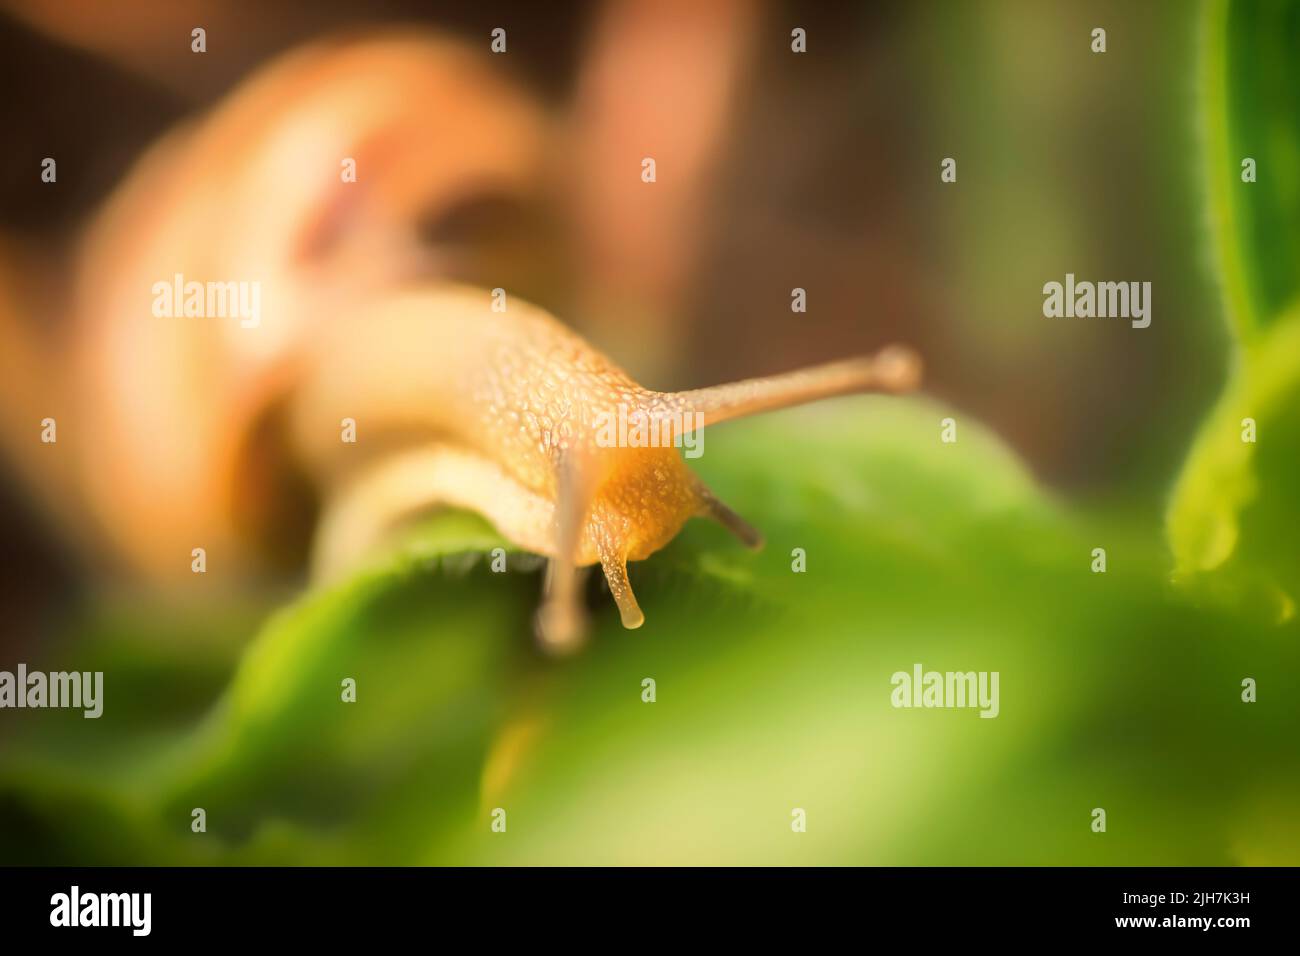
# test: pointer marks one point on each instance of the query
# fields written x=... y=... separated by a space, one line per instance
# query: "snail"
x=168 y=425
x=505 y=413
x=178 y=431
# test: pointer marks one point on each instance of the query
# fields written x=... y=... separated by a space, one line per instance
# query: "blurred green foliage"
x=1233 y=514
x=773 y=692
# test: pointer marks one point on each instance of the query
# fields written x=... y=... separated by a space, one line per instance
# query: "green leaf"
x=773 y=692
x=1232 y=503
x=779 y=697
x=1250 y=101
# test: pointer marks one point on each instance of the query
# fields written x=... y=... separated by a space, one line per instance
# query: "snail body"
x=186 y=432
x=507 y=414
x=168 y=438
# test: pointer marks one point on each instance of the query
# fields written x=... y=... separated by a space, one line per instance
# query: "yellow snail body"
x=507 y=413
x=177 y=428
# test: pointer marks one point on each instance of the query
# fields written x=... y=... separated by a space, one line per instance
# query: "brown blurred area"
x=775 y=171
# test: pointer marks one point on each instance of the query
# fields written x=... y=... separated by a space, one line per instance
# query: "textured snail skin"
x=501 y=413
x=175 y=431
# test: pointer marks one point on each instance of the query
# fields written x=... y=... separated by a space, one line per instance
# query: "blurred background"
x=775 y=170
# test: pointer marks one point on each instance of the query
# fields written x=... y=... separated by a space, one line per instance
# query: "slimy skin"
x=501 y=413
